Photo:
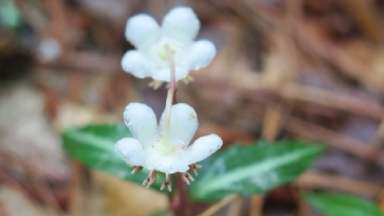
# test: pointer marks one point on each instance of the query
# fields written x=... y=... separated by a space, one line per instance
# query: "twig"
x=340 y=100
x=380 y=199
x=314 y=179
x=272 y=122
x=256 y=206
x=58 y=23
x=379 y=136
x=303 y=208
x=79 y=180
x=86 y=61
x=234 y=207
x=315 y=43
x=367 y=18
x=2 y=210
x=336 y=100
x=43 y=189
x=345 y=143
x=219 y=205
x=36 y=187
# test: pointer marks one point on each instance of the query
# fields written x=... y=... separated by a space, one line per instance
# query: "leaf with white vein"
x=93 y=146
x=249 y=169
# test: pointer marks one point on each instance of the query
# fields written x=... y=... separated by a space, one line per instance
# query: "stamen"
x=155 y=84
x=194 y=169
x=151 y=178
x=187 y=178
x=136 y=169
x=188 y=79
x=162 y=186
x=169 y=187
x=167 y=183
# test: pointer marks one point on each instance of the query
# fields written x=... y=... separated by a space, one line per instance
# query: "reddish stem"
x=179 y=201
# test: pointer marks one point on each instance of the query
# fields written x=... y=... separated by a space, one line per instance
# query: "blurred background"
x=306 y=69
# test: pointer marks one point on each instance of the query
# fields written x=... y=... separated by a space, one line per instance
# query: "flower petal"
x=181 y=23
x=182 y=126
x=142 y=31
x=131 y=150
x=164 y=74
x=203 y=147
x=166 y=163
x=135 y=63
x=202 y=53
x=141 y=121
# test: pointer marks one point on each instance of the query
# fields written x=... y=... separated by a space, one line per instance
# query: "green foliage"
x=93 y=146
x=337 y=204
x=9 y=15
x=240 y=169
x=252 y=169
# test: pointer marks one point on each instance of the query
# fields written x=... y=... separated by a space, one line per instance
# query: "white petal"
x=183 y=124
x=141 y=121
x=202 y=53
x=135 y=63
x=181 y=23
x=164 y=74
x=203 y=147
x=142 y=31
x=131 y=150
x=166 y=163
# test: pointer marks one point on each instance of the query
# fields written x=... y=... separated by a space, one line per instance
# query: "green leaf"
x=337 y=204
x=9 y=14
x=249 y=169
x=93 y=146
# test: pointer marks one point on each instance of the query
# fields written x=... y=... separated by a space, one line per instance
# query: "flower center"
x=164 y=146
x=165 y=51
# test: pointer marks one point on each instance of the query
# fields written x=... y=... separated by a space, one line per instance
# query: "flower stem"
x=179 y=201
x=169 y=100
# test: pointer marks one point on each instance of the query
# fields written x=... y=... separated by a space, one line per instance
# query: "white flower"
x=165 y=147
x=159 y=49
